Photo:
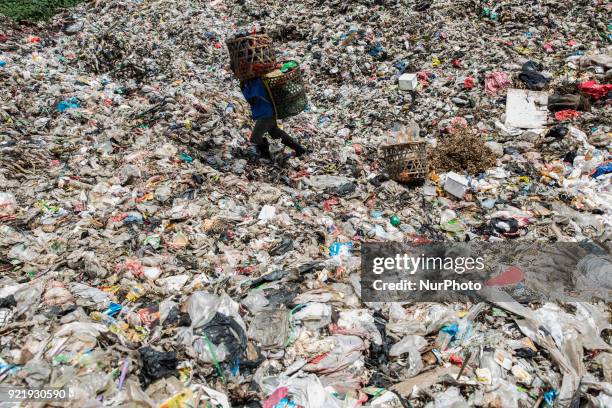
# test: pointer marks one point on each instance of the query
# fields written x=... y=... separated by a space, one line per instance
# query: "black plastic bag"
x=156 y=365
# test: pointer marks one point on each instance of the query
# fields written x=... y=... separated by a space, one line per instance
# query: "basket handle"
x=257 y=37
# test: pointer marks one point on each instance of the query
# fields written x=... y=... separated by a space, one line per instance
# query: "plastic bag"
x=314 y=316
x=407 y=344
x=270 y=328
x=8 y=204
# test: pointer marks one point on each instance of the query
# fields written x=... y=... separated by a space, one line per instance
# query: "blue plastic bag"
x=340 y=248
x=72 y=103
x=603 y=169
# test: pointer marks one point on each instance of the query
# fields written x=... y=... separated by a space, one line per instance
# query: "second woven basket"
x=406 y=162
x=251 y=56
x=287 y=91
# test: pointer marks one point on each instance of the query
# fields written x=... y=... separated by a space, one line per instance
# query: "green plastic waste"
x=288 y=66
x=453 y=226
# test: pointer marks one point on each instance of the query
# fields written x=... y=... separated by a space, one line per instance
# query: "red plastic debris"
x=299 y=174
x=468 y=83
x=457 y=63
x=595 y=90
x=318 y=359
x=455 y=359
x=327 y=204
x=135 y=267
x=118 y=218
x=420 y=240
x=149 y=316
x=276 y=397
x=510 y=276
x=247 y=270
x=423 y=77
x=567 y=114
x=35 y=39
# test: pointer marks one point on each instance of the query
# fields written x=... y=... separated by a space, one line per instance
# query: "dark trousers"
x=268 y=125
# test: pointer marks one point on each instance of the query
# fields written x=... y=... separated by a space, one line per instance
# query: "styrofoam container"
x=408 y=82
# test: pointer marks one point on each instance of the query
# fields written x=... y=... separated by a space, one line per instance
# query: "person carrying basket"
x=272 y=92
x=262 y=111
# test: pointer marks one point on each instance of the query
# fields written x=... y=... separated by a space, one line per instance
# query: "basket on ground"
x=251 y=56
x=287 y=90
x=406 y=162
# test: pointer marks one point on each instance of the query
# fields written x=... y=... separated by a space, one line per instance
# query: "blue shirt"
x=255 y=93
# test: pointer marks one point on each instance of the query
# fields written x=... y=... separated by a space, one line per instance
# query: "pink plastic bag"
x=496 y=81
x=275 y=398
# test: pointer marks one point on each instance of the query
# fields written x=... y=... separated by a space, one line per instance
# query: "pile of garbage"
x=149 y=258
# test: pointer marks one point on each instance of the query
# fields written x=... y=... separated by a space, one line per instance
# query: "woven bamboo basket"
x=406 y=162
x=251 y=56
x=287 y=92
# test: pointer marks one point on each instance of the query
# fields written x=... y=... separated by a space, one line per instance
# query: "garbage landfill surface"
x=148 y=258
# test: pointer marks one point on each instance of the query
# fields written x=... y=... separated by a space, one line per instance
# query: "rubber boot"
x=264 y=149
x=293 y=144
